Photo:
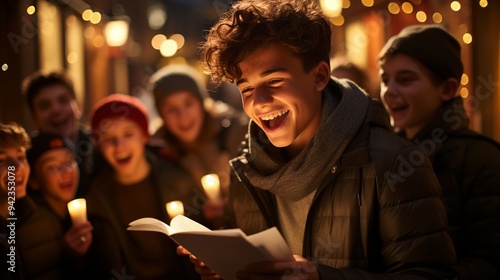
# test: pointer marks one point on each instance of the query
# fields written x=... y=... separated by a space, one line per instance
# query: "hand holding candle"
x=211 y=185
x=174 y=208
x=78 y=210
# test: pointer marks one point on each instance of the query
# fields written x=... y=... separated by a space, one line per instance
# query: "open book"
x=227 y=250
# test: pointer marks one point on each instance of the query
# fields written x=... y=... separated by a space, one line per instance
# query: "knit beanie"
x=118 y=106
x=175 y=78
x=432 y=45
x=44 y=142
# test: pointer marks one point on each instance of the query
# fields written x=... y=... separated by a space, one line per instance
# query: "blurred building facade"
x=75 y=35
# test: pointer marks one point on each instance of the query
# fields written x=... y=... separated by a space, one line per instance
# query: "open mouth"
x=275 y=120
x=123 y=160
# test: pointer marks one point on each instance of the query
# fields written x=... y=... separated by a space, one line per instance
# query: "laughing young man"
x=352 y=200
x=52 y=102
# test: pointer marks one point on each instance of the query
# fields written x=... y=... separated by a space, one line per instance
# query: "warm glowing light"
x=437 y=17
x=87 y=14
x=367 y=3
x=5 y=66
x=465 y=79
x=157 y=16
x=483 y=3
x=31 y=10
x=116 y=32
x=421 y=16
x=407 y=7
x=72 y=57
x=98 y=41
x=89 y=32
x=168 y=48
x=174 y=208
x=393 y=8
x=157 y=40
x=455 y=6
x=211 y=186
x=331 y=8
x=464 y=92
x=467 y=38
x=179 y=39
x=96 y=18
x=78 y=210
x=338 y=21
x=346 y=4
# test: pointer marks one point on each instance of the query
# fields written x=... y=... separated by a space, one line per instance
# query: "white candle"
x=174 y=208
x=78 y=210
x=211 y=185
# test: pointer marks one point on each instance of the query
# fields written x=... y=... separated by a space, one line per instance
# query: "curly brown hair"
x=12 y=135
x=296 y=24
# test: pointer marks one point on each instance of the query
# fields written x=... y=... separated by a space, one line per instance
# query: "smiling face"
x=14 y=171
x=56 y=111
x=183 y=115
x=56 y=176
x=280 y=97
x=410 y=93
x=122 y=146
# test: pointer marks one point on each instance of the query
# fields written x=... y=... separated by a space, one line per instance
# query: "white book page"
x=271 y=242
x=182 y=223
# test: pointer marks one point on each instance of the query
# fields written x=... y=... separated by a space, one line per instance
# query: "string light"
x=455 y=6
x=346 y=4
x=367 y=3
x=393 y=8
x=407 y=7
x=421 y=16
x=437 y=17
x=87 y=14
x=464 y=92
x=31 y=10
x=467 y=38
x=483 y=3
x=337 y=21
x=96 y=18
x=464 y=80
x=157 y=40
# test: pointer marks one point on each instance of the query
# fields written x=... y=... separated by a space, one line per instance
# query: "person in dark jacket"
x=134 y=184
x=54 y=108
x=198 y=133
x=420 y=72
x=33 y=243
x=320 y=162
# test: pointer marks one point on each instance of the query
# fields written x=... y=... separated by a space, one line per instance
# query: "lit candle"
x=78 y=210
x=174 y=208
x=211 y=185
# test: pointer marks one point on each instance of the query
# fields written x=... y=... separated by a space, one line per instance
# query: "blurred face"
x=56 y=111
x=280 y=97
x=123 y=148
x=183 y=115
x=57 y=175
x=409 y=93
x=14 y=171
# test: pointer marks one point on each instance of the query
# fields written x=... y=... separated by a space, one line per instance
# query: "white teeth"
x=273 y=116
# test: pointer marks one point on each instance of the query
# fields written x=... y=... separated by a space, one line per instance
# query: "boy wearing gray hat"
x=420 y=71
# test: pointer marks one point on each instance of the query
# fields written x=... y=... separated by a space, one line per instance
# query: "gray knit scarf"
x=294 y=179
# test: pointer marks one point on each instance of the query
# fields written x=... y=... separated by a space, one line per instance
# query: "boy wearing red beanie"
x=135 y=184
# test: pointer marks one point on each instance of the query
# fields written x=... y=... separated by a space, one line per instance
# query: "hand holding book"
x=225 y=251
